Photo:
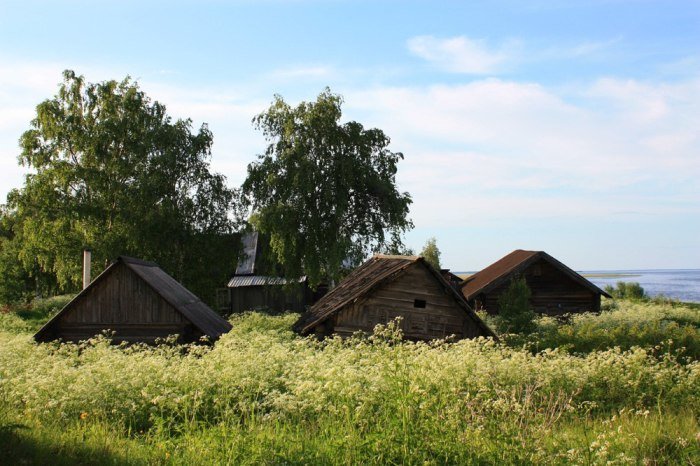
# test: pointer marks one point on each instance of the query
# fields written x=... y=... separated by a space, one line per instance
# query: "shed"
x=556 y=289
x=386 y=287
x=139 y=302
x=256 y=286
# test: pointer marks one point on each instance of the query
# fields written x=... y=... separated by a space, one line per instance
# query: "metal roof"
x=246 y=266
x=261 y=280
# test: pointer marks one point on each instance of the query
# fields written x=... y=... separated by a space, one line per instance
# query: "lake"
x=680 y=284
x=683 y=285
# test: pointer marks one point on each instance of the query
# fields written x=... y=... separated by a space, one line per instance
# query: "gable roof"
x=367 y=277
x=183 y=300
x=516 y=262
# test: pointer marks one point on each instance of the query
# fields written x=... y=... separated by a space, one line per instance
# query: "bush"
x=262 y=395
x=31 y=316
x=514 y=312
x=668 y=327
x=627 y=290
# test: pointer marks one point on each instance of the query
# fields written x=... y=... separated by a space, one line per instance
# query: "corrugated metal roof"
x=260 y=280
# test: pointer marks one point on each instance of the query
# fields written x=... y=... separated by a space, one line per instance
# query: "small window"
x=419 y=303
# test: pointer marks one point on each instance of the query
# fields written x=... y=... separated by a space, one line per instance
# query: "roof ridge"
x=396 y=256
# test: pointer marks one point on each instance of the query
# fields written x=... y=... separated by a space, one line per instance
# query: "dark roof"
x=246 y=266
x=183 y=300
x=516 y=262
x=376 y=271
x=452 y=279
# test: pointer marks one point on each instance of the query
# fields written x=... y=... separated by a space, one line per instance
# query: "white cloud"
x=226 y=110
x=459 y=54
x=591 y=47
x=500 y=149
x=487 y=149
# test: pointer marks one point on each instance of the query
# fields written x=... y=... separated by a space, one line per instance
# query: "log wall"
x=427 y=310
x=553 y=292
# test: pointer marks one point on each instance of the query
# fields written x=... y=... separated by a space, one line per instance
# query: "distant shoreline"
x=464 y=275
x=610 y=275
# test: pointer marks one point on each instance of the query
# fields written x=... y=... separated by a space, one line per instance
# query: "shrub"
x=627 y=290
x=262 y=395
x=514 y=312
x=661 y=327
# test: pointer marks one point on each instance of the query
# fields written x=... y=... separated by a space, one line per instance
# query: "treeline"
x=110 y=170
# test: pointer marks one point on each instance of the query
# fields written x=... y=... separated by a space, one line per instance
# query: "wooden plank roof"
x=516 y=262
x=361 y=281
x=183 y=300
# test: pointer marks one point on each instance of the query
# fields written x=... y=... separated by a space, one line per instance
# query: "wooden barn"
x=556 y=289
x=386 y=287
x=255 y=286
x=139 y=302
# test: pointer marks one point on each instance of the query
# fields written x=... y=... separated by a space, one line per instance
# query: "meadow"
x=621 y=387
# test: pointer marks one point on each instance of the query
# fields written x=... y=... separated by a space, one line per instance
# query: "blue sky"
x=572 y=127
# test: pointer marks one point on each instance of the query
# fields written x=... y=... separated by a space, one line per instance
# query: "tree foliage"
x=627 y=290
x=431 y=253
x=112 y=171
x=514 y=312
x=323 y=191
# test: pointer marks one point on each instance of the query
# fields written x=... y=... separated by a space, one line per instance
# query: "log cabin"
x=387 y=287
x=556 y=289
x=137 y=301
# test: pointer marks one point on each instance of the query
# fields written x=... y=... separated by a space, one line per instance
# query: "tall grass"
x=264 y=395
x=658 y=326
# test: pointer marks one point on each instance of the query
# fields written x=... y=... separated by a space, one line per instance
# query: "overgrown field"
x=264 y=395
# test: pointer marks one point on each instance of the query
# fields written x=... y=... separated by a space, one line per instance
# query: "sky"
x=571 y=127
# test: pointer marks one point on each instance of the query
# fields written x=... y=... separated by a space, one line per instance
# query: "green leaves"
x=114 y=172
x=514 y=310
x=431 y=253
x=323 y=191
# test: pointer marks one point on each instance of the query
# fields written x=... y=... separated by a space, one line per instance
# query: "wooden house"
x=556 y=289
x=256 y=285
x=137 y=301
x=387 y=287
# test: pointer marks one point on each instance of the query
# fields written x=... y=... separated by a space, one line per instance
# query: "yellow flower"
x=83 y=415
x=167 y=455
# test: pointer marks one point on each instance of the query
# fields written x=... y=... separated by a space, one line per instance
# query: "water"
x=683 y=285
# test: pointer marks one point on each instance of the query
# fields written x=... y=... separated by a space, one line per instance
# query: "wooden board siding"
x=125 y=304
x=440 y=317
x=553 y=292
x=135 y=300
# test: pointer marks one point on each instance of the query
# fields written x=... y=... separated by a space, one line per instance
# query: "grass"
x=657 y=325
x=31 y=316
x=262 y=395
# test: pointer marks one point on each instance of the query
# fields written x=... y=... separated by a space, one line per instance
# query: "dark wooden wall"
x=124 y=303
x=442 y=315
x=553 y=292
x=269 y=298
